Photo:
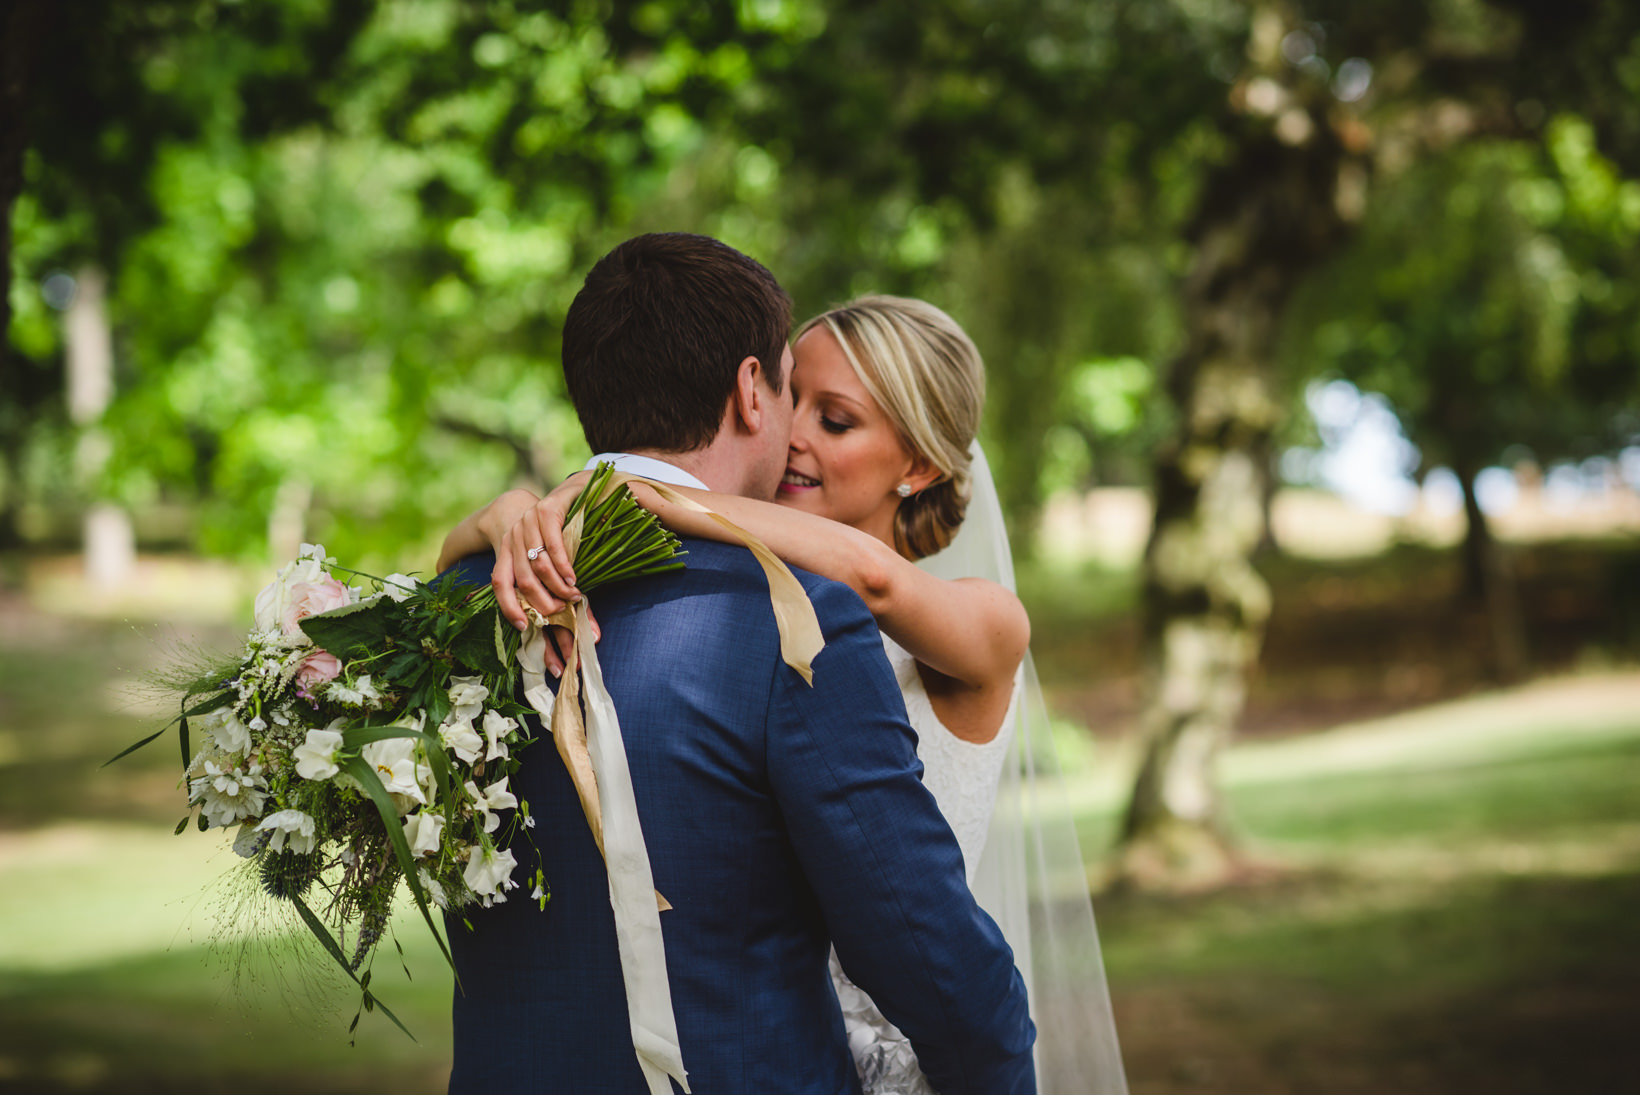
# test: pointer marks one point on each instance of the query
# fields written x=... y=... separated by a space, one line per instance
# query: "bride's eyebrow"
x=848 y=401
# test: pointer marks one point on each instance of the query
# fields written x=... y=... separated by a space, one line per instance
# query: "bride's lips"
x=794 y=483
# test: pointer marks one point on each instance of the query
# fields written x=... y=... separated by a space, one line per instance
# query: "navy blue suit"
x=780 y=820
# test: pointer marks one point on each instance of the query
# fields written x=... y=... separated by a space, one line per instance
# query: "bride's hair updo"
x=927 y=376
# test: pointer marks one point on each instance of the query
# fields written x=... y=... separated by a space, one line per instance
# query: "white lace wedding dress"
x=963 y=778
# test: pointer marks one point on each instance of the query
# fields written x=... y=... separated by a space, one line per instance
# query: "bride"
x=881 y=473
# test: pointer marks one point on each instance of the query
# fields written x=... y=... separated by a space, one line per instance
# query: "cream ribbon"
x=595 y=755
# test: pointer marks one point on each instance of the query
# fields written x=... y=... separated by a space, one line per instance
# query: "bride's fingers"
x=553 y=563
x=523 y=575
x=597 y=632
x=506 y=595
x=558 y=650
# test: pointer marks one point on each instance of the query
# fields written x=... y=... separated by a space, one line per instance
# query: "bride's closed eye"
x=834 y=425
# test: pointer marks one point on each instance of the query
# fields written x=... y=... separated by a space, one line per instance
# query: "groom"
x=781 y=819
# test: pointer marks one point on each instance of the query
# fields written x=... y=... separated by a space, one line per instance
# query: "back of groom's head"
x=655 y=338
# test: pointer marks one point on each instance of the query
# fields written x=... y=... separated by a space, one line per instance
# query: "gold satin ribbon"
x=643 y=957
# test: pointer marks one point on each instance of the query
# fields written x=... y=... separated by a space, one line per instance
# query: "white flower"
x=492 y=798
x=232 y=736
x=398 y=586
x=228 y=792
x=434 y=890
x=316 y=757
x=290 y=828
x=359 y=693
x=423 y=830
x=496 y=727
x=394 y=759
x=467 y=696
x=460 y=738
x=489 y=873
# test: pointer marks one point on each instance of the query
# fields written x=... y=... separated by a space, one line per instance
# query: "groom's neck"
x=711 y=465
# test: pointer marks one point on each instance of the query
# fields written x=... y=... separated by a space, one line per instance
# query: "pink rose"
x=310 y=599
x=317 y=668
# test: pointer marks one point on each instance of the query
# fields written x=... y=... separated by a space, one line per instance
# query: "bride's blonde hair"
x=927 y=376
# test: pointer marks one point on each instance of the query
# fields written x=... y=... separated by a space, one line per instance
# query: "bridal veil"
x=1031 y=877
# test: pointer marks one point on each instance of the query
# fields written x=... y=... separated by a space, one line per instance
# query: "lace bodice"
x=963 y=778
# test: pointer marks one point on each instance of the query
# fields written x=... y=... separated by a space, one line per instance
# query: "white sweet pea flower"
x=496 y=727
x=290 y=829
x=492 y=798
x=460 y=738
x=394 y=759
x=423 y=830
x=398 y=586
x=467 y=696
x=232 y=736
x=435 y=892
x=489 y=873
x=316 y=757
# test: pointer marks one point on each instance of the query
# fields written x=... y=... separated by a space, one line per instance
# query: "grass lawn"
x=1447 y=905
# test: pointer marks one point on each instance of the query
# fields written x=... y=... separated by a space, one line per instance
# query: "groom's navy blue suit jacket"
x=780 y=819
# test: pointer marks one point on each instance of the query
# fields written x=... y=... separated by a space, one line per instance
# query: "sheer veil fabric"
x=1030 y=877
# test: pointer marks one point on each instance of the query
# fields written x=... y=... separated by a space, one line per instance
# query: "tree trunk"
x=21 y=24
x=1489 y=580
x=1268 y=216
x=1477 y=539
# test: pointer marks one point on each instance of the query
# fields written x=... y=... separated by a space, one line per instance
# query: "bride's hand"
x=545 y=579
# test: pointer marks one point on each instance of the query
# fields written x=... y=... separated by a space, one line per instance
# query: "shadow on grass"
x=1306 y=984
x=176 y=1021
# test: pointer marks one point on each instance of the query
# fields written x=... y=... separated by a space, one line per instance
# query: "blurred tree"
x=1404 y=82
x=342 y=236
x=99 y=98
x=1490 y=296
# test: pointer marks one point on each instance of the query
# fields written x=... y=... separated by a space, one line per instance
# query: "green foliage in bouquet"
x=367 y=739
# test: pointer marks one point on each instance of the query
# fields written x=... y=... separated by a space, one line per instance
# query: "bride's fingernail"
x=557 y=670
x=520 y=624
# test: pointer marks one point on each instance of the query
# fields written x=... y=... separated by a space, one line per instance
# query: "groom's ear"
x=748 y=405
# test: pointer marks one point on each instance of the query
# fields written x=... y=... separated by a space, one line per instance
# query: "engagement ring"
x=534 y=553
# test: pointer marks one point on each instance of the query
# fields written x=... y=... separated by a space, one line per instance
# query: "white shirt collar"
x=648 y=467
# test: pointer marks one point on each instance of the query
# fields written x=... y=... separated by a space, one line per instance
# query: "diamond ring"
x=534 y=553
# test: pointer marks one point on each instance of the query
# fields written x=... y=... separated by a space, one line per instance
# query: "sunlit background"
x=1312 y=332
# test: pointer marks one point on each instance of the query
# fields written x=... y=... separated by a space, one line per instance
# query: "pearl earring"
x=903 y=490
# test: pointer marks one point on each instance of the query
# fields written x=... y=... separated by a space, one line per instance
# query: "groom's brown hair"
x=655 y=338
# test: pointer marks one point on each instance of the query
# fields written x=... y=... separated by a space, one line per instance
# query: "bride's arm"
x=972 y=631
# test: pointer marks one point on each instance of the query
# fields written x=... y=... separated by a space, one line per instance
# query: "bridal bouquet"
x=366 y=737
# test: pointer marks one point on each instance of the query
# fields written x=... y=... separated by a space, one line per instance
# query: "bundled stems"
x=619 y=538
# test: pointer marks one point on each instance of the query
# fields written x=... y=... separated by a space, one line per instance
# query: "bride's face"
x=846 y=457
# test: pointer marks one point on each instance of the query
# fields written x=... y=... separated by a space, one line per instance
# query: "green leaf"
x=372 y=783
x=474 y=646
x=322 y=934
x=353 y=631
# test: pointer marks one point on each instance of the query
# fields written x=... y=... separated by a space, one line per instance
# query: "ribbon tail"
x=632 y=891
x=562 y=715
